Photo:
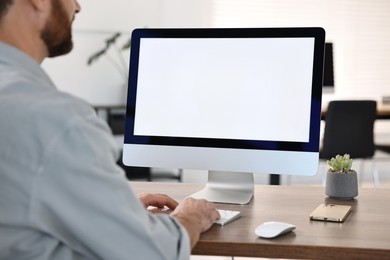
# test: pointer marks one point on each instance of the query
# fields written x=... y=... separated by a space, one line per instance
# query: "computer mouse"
x=273 y=229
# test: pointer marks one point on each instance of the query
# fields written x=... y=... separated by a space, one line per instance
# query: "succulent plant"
x=340 y=163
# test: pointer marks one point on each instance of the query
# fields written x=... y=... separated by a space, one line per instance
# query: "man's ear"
x=40 y=5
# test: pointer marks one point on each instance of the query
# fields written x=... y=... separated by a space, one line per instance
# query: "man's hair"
x=4 y=4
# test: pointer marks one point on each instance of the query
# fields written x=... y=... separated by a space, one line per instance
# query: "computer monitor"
x=233 y=101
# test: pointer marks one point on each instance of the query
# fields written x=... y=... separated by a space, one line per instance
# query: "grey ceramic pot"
x=342 y=186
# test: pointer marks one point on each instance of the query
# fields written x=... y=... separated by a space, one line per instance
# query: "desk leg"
x=274 y=179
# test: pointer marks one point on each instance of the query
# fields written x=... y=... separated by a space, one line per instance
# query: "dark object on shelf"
x=328 y=66
x=386 y=99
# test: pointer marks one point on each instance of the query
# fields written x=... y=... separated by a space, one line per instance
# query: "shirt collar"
x=13 y=57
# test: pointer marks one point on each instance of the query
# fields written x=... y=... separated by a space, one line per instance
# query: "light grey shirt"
x=62 y=196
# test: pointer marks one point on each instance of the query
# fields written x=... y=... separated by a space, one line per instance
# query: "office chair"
x=349 y=128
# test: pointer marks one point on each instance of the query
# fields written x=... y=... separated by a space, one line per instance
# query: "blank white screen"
x=247 y=88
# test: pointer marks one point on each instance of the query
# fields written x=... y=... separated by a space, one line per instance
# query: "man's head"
x=40 y=28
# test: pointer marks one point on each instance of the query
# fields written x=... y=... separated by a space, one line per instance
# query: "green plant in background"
x=112 y=43
x=340 y=163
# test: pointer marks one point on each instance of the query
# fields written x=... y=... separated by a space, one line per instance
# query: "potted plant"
x=341 y=180
x=119 y=62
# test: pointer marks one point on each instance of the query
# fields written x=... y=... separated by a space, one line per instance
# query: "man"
x=62 y=195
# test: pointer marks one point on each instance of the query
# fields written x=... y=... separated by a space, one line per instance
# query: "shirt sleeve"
x=82 y=199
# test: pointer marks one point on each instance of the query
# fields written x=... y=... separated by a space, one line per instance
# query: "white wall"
x=358 y=30
x=102 y=83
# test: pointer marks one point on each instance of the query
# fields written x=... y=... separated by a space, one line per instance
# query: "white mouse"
x=273 y=229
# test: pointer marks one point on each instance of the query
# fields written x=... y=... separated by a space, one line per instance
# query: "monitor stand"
x=227 y=187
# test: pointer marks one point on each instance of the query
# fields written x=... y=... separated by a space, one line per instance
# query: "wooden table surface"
x=382 y=110
x=364 y=235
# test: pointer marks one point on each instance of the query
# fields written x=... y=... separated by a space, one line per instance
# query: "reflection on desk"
x=365 y=234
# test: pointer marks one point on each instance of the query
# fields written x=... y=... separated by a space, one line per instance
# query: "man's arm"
x=83 y=202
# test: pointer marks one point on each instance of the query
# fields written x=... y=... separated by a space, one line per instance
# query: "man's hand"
x=160 y=202
x=196 y=216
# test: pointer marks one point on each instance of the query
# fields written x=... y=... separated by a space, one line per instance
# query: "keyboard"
x=227 y=216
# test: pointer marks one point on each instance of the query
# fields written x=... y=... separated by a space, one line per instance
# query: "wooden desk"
x=364 y=235
x=382 y=111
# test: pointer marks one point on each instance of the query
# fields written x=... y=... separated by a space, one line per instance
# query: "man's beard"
x=57 y=33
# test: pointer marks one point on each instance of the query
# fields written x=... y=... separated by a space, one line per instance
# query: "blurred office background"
x=358 y=29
